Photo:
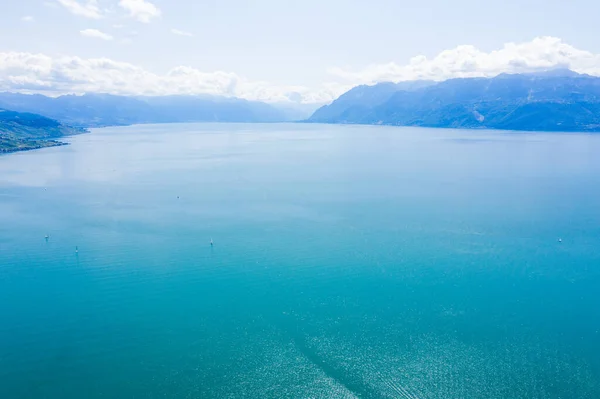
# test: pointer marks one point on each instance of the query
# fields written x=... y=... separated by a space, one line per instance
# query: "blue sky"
x=277 y=50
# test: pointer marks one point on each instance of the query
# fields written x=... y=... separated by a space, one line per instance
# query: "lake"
x=348 y=261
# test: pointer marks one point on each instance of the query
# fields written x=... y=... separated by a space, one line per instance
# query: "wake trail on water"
x=357 y=382
x=353 y=385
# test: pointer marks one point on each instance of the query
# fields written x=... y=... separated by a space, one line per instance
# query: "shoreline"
x=25 y=145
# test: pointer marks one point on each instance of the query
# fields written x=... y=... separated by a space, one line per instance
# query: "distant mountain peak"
x=557 y=73
x=365 y=96
x=546 y=73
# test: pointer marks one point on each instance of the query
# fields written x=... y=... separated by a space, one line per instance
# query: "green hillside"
x=25 y=131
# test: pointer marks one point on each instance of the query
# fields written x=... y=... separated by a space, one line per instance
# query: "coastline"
x=11 y=146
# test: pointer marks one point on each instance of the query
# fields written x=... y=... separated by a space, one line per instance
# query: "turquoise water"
x=370 y=262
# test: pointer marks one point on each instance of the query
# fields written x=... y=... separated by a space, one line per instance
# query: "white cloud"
x=141 y=10
x=27 y=18
x=87 y=8
x=27 y=72
x=95 y=33
x=181 y=33
x=468 y=61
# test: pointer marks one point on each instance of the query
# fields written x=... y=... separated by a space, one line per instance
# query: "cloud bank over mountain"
x=466 y=61
x=53 y=75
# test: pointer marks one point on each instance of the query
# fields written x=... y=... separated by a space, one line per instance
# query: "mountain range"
x=97 y=110
x=556 y=100
x=31 y=121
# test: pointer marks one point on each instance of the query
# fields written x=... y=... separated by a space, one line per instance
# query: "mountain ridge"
x=557 y=100
x=99 y=110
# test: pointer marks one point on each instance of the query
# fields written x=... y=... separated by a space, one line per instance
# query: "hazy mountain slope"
x=106 y=110
x=362 y=99
x=25 y=131
x=558 y=100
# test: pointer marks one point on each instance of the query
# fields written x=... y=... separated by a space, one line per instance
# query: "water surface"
x=348 y=261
